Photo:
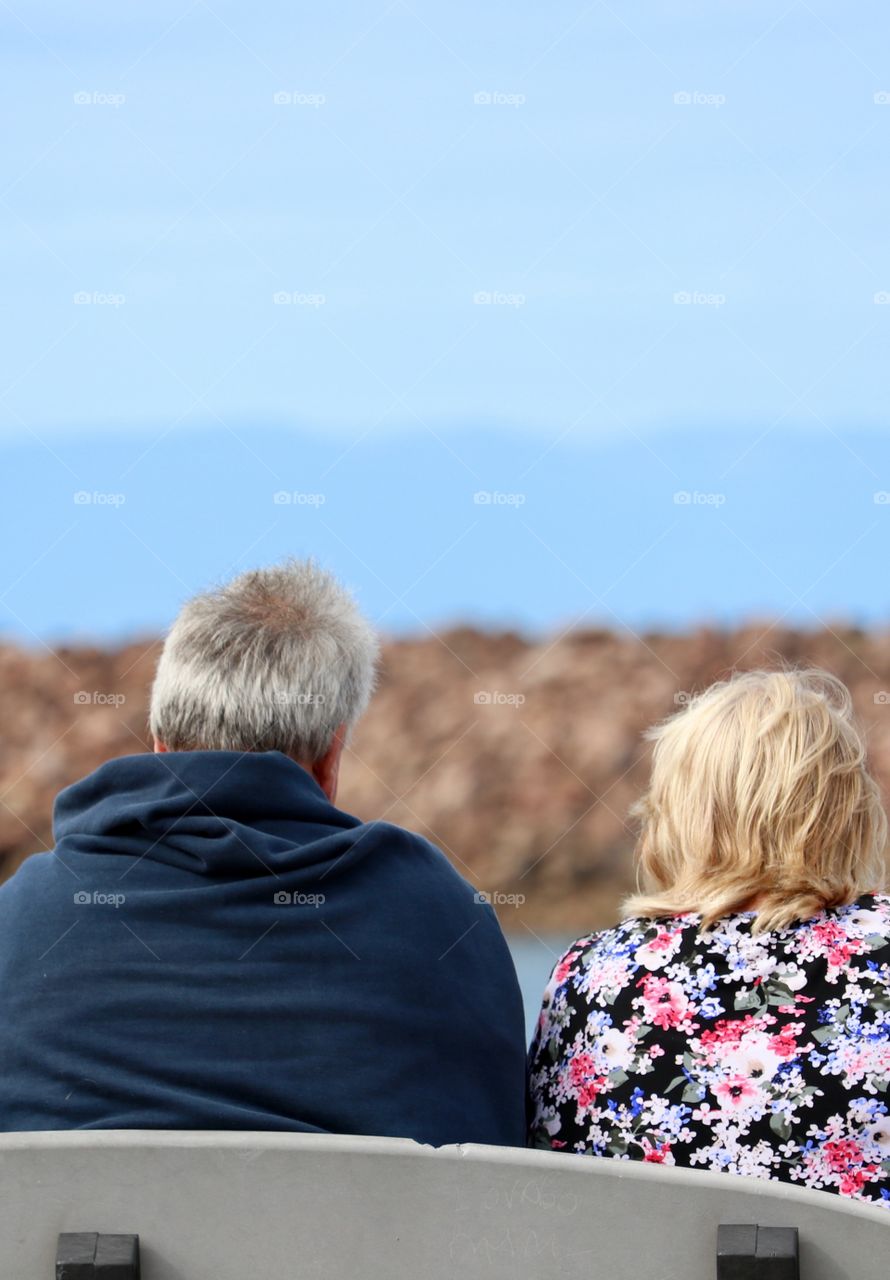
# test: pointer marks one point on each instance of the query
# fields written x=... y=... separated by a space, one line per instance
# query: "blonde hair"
x=759 y=797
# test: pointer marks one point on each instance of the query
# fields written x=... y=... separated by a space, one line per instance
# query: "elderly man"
x=213 y=944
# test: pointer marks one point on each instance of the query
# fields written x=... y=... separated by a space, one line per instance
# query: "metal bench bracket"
x=87 y=1255
x=748 y=1252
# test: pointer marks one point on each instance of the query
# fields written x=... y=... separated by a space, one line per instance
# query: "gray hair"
x=275 y=660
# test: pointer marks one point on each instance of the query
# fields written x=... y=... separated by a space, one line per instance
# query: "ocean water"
x=534 y=959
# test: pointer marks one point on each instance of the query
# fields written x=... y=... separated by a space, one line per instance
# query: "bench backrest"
x=226 y=1206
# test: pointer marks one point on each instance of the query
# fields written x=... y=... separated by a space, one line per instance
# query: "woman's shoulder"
x=871 y=908
x=852 y=935
x=858 y=932
x=633 y=942
x=867 y=920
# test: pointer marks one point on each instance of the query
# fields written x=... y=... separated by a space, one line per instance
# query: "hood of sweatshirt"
x=215 y=813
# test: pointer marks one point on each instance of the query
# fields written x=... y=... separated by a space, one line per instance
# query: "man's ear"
x=326 y=771
x=159 y=747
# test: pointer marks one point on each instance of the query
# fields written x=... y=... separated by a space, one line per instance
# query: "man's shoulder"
x=31 y=870
x=33 y=893
x=401 y=842
x=397 y=851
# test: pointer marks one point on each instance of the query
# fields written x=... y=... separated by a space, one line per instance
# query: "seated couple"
x=213 y=944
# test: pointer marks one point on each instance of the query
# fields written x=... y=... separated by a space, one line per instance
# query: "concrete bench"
x=261 y=1206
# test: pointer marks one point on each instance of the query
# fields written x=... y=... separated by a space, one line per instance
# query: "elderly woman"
x=739 y=1018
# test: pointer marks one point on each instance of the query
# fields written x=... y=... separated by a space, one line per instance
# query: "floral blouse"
x=766 y=1054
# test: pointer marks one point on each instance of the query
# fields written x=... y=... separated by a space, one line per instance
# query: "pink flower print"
x=835 y=944
x=656 y=1153
x=784 y=1045
x=852 y=1182
x=563 y=969
x=666 y=1005
x=589 y=1092
x=580 y=1068
x=737 y=1093
x=839 y=1156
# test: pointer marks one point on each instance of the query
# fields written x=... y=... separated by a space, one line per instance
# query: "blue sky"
x=502 y=529
x=402 y=248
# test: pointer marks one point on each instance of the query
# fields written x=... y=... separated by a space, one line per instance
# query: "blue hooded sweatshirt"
x=213 y=945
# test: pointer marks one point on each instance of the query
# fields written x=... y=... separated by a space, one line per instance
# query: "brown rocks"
x=519 y=759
